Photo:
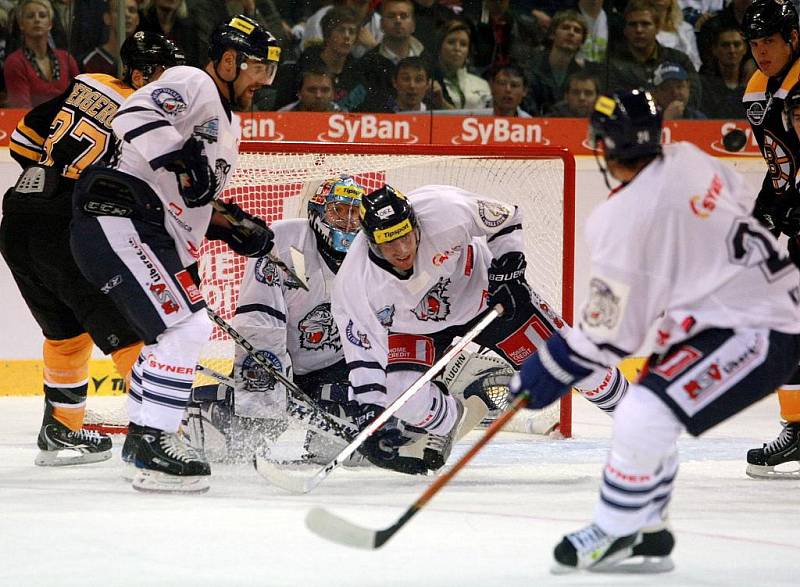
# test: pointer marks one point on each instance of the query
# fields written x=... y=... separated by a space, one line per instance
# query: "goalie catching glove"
x=507 y=285
x=247 y=235
x=197 y=183
x=548 y=374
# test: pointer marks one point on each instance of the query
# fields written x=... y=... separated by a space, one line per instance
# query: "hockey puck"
x=734 y=140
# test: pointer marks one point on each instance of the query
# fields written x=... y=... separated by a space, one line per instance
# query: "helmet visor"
x=263 y=71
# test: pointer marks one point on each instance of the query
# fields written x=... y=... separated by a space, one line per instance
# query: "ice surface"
x=494 y=525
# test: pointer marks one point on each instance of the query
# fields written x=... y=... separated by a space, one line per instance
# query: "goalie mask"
x=333 y=212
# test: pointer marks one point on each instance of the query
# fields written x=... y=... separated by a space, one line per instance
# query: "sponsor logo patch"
x=677 y=362
x=523 y=342
x=703 y=206
x=168 y=100
x=411 y=348
x=755 y=113
x=188 y=286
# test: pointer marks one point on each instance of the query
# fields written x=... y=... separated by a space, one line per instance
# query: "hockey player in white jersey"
x=675 y=246
x=290 y=326
x=137 y=229
x=424 y=270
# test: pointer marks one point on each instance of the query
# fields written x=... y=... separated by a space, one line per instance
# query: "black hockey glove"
x=383 y=446
x=248 y=235
x=507 y=285
x=197 y=183
x=787 y=220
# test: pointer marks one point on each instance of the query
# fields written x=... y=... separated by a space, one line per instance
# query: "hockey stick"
x=336 y=529
x=290 y=385
x=299 y=410
x=219 y=207
x=293 y=485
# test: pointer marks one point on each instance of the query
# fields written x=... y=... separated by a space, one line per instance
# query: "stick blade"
x=331 y=527
x=270 y=471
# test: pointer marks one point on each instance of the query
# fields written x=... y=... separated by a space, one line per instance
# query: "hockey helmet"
x=386 y=215
x=250 y=40
x=628 y=124
x=333 y=211
x=764 y=18
x=145 y=51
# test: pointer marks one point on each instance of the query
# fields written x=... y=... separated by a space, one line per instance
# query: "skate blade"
x=158 y=482
x=51 y=458
x=637 y=565
x=129 y=471
x=770 y=472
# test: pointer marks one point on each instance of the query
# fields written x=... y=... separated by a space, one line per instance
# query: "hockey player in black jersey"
x=54 y=143
x=772 y=30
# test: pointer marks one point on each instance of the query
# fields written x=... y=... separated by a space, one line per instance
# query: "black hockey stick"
x=295 y=485
x=336 y=529
x=290 y=385
x=219 y=207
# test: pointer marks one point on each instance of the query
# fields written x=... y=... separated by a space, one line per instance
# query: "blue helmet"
x=333 y=211
x=628 y=124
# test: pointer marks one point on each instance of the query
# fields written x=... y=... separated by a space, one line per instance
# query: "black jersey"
x=71 y=131
x=763 y=100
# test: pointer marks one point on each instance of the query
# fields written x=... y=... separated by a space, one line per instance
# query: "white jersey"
x=460 y=234
x=155 y=122
x=293 y=326
x=680 y=240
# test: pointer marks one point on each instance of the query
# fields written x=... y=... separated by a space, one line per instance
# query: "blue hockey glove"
x=548 y=374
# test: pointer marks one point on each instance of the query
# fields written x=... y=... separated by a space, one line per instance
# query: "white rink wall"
x=20 y=337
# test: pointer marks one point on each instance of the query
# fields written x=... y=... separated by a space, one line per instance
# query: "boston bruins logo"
x=780 y=164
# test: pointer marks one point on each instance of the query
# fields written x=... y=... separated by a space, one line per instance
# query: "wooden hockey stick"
x=336 y=529
x=219 y=207
x=290 y=385
x=295 y=485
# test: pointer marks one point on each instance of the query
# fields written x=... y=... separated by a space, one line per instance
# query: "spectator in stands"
x=412 y=84
x=725 y=76
x=550 y=67
x=430 y=16
x=730 y=16
x=672 y=93
x=35 y=72
x=674 y=32
x=377 y=65
x=170 y=18
x=583 y=88
x=509 y=87
x=603 y=29
x=315 y=93
x=77 y=26
x=633 y=62
x=697 y=12
x=105 y=58
x=461 y=89
x=369 y=32
x=503 y=35
x=339 y=33
x=207 y=14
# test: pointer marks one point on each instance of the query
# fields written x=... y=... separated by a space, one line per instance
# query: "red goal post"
x=274 y=180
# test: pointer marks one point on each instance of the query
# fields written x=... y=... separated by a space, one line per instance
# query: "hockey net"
x=275 y=180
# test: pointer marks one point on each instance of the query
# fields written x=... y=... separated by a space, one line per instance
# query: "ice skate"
x=129 y=447
x=166 y=464
x=59 y=446
x=766 y=462
x=591 y=549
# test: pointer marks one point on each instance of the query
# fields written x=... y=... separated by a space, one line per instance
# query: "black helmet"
x=386 y=215
x=145 y=51
x=250 y=40
x=764 y=18
x=628 y=123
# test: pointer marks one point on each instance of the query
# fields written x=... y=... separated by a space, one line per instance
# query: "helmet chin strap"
x=231 y=92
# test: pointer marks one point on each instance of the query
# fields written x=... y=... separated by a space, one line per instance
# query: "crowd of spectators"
x=502 y=57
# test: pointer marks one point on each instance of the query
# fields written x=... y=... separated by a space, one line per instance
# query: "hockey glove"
x=787 y=220
x=548 y=374
x=383 y=446
x=507 y=285
x=197 y=183
x=248 y=235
